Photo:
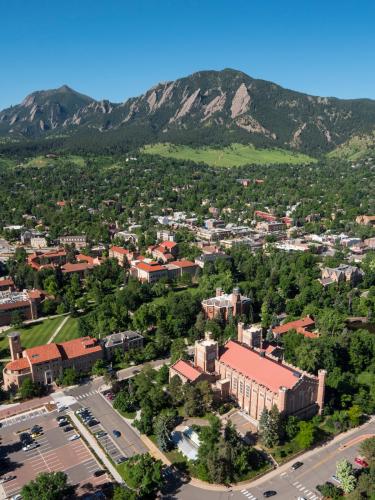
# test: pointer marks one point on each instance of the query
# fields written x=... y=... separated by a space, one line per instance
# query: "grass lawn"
x=69 y=331
x=31 y=335
x=231 y=156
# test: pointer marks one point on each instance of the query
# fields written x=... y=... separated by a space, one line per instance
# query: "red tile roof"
x=18 y=364
x=43 y=353
x=6 y=282
x=186 y=369
x=79 y=347
x=183 y=263
x=300 y=325
x=120 y=250
x=76 y=267
x=265 y=371
x=150 y=268
x=168 y=244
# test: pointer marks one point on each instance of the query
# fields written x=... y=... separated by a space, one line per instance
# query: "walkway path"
x=58 y=329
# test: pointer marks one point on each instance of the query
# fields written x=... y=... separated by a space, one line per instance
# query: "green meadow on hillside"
x=234 y=155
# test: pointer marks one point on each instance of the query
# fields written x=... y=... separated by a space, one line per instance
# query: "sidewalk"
x=56 y=332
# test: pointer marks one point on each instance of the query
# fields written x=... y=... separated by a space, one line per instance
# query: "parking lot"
x=54 y=452
x=100 y=408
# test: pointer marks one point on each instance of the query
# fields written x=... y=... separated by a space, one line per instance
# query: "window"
x=234 y=384
x=247 y=391
x=241 y=387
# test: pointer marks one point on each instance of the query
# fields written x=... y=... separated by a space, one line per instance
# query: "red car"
x=361 y=462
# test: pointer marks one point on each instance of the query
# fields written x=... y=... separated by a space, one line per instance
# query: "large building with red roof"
x=45 y=363
x=252 y=379
x=151 y=272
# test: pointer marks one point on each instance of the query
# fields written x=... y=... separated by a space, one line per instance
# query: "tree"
x=355 y=414
x=47 y=486
x=70 y=377
x=193 y=403
x=269 y=428
x=123 y=493
x=175 y=390
x=16 y=319
x=145 y=422
x=291 y=426
x=144 y=473
x=367 y=448
x=99 y=367
x=306 y=435
x=178 y=350
x=163 y=427
x=344 y=473
x=29 y=389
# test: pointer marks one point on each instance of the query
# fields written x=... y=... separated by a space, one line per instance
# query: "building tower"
x=206 y=352
x=15 y=345
x=321 y=389
x=236 y=302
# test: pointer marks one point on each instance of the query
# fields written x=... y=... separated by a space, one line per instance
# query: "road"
x=318 y=466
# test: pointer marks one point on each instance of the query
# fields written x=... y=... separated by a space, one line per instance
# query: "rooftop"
x=43 y=353
x=186 y=369
x=79 y=347
x=269 y=373
x=299 y=325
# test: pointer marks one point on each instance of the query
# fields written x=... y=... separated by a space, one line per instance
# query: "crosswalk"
x=87 y=394
x=23 y=417
x=306 y=492
x=248 y=495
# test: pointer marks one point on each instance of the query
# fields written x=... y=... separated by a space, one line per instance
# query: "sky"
x=116 y=49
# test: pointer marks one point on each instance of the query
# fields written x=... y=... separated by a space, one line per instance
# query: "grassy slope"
x=230 y=156
x=69 y=331
x=355 y=148
x=31 y=335
x=42 y=161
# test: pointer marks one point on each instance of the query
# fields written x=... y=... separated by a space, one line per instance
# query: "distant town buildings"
x=78 y=241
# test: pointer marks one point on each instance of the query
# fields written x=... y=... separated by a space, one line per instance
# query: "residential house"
x=342 y=273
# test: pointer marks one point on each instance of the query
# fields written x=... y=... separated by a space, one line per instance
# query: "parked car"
x=92 y=422
x=68 y=428
x=361 y=462
x=100 y=472
x=100 y=434
x=16 y=497
x=36 y=428
x=30 y=446
x=121 y=459
x=269 y=493
x=60 y=418
x=336 y=479
x=5 y=479
x=116 y=433
x=36 y=434
x=296 y=465
x=74 y=437
x=62 y=423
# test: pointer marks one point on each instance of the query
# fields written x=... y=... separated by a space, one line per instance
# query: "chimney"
x=236 y=301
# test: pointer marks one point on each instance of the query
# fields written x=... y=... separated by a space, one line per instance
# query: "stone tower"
x=206 y=352
x=15 y=345
x=321 y=389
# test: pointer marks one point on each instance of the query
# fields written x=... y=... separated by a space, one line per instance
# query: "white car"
x=74 y=437
x=336 y=479
x=17 y=497
x=301 y=498
x=30 y=446
x=5 y=479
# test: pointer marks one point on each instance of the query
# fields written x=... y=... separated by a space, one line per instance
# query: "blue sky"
x=119 y=48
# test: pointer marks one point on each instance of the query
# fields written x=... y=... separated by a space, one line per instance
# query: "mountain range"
x=207 y=107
